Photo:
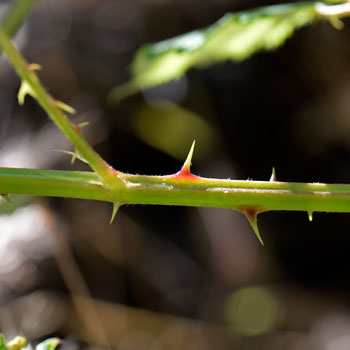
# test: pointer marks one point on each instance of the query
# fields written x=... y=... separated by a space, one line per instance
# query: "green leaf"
x=236 y=36
x=48 y=344
x=2 y=343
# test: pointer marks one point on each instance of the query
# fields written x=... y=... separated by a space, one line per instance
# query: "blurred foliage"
x=253 y=311
x=2 y=343
x=48 y=344
x=162 y=124
x=20 y=342
x=235 y=36
x=16 y=202
x=17 y=343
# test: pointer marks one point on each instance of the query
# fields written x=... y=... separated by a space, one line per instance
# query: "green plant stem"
x=73 y=184
x=16 y=15
x=165 y=190
x=233 y=194
x=49 y=104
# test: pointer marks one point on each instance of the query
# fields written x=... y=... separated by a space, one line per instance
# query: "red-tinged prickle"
x=54 y=100
x=113 y=171
x=77 y=128
x=250 y=212
x=80 y=126
x=185 y=174
x=34 y=67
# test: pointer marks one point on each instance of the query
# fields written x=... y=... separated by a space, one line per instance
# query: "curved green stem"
x=16 y=15
x=49 y=104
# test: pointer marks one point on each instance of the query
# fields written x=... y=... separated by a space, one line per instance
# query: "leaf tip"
x=310 y=214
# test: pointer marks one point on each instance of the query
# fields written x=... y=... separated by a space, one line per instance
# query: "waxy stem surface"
x=256 y=196
x=239 y=195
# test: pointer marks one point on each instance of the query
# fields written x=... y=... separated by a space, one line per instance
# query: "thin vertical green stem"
x=17 y=14
x=50 y=105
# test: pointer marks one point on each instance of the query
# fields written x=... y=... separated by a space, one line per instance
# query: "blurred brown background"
x=174 y=277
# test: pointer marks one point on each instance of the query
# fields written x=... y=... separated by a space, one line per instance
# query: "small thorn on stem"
x=251 y=214
x=6 y=197
x=81 y=125
x=63 y=106
x=23 y=91
x=310 y=215
x=336 y=23
x=185 y=172
x=273 y=177
x=116 y=206
x=74 y=157
x=34 y=67
x=188 y=161
x=73 y=154
x=254 y=225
